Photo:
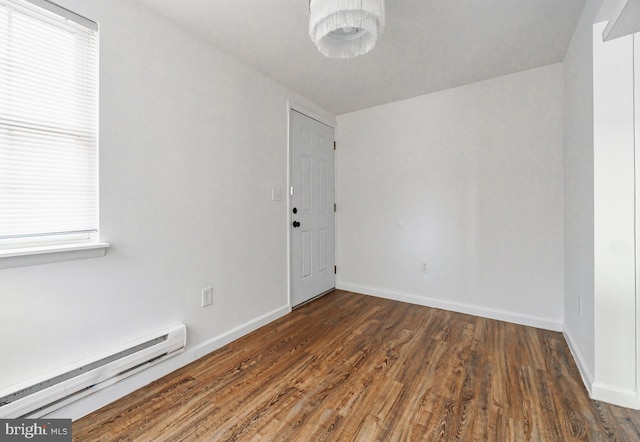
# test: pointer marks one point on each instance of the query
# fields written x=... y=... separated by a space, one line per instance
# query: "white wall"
x=599 y=209
x=468 y=180
x=614 y=221
x=191 y=144
x=578 y=188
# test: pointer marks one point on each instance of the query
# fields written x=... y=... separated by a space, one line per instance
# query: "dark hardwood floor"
x=351 y=367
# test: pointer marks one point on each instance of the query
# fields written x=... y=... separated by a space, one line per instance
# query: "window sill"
x=31 y=256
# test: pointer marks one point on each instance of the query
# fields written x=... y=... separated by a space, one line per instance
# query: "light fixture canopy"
x=346 y=28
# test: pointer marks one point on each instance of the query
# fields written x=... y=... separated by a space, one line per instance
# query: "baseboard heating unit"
x=45 y=394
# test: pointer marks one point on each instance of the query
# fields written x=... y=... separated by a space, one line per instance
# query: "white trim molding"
x=326 y=120
x=51 y=254
x=469 y=309
x=104 y=397
x=292 y=105
x=583 y=368
x=614 y=395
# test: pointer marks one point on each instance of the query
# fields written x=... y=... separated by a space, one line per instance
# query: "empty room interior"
x=433 y=238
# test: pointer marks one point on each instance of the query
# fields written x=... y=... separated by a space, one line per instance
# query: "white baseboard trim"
x=597 y=390
x=614 y=395
x=583 y=368
x=110 y=394
x=469 y=309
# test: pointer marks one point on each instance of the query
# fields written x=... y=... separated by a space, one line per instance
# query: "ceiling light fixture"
x=346 y=28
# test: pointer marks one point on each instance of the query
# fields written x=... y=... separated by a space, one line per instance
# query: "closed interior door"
x=312 y=218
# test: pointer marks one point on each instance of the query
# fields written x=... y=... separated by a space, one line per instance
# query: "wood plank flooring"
x=352 y=367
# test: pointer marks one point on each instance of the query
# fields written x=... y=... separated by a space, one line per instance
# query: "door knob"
x=296 y=224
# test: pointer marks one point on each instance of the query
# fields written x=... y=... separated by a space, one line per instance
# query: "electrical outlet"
x=207 y=296
x=580 y=305
x=424 y=268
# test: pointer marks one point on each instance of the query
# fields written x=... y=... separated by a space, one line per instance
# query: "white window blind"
x=48 y=123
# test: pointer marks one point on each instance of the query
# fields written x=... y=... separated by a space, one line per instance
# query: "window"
x=48 y=127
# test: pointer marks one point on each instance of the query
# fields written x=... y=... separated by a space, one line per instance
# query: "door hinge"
x=335 y=207
x=335 y=270
x=334 y=145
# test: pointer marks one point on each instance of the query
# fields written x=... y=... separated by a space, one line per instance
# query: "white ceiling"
x=428 y=45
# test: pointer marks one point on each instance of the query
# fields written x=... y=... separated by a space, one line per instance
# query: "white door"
x=312 y=217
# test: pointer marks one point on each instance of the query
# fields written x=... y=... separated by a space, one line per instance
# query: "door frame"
x=328 y=121
x=636 y=137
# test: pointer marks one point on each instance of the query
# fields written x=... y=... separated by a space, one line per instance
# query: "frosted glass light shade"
x=346 y=28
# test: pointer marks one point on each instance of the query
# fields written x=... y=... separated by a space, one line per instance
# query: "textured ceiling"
x=428 y=45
